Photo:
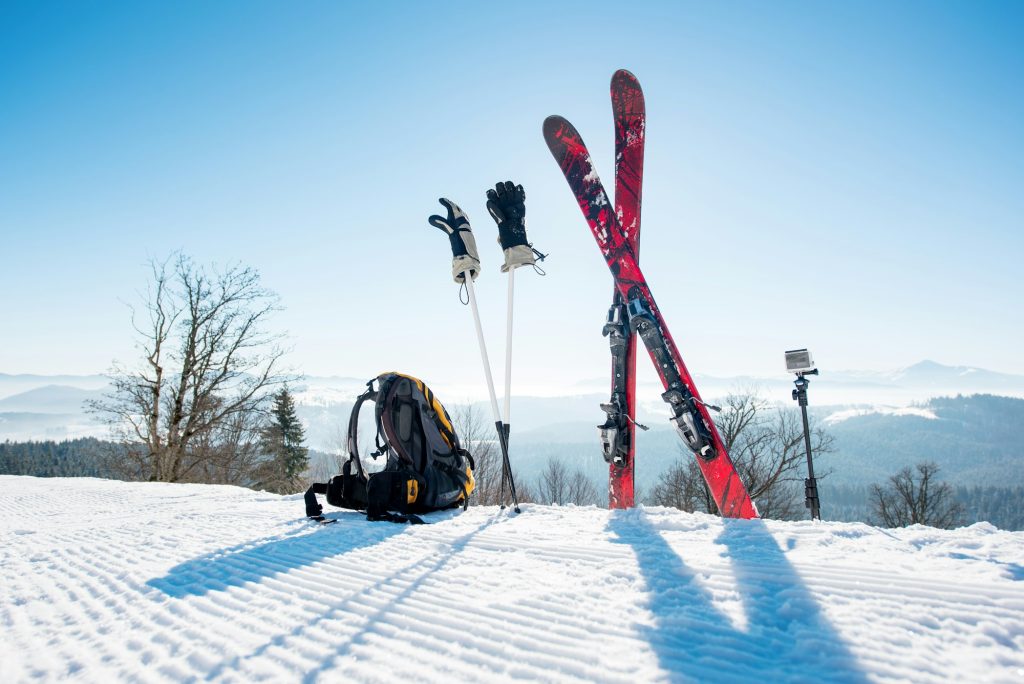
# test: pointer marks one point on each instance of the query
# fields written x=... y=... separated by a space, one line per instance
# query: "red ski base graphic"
x=573 y=158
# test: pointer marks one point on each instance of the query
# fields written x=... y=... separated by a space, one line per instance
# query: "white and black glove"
x=464 y=254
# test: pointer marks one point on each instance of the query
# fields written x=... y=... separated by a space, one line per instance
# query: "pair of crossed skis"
x=634 y=311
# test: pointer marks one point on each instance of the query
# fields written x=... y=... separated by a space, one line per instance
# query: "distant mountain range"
x=40 y=407
x=915 y=383
x=49 y=399
x=11 y=385
x=976 y=440
x=879 y=419
x=50 y=406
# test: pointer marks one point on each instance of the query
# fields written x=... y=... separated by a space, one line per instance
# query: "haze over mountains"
x=52 y=407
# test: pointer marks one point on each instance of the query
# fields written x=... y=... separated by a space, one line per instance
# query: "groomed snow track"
x=103 y=581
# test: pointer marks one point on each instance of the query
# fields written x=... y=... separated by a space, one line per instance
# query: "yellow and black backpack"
x=426 y=468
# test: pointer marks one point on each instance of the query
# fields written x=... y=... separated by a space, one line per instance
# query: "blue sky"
x=846 y=177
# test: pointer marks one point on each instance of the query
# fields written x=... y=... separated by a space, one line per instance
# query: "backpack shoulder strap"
x=441 y=418
x=352 y=441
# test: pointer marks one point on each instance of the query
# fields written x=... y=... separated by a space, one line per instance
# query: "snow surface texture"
x=104 y=581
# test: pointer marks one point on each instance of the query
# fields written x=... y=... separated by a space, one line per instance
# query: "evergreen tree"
x=288 y=459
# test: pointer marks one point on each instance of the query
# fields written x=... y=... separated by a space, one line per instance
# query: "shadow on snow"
x=786 y=636
x=247 y=563
x=252 y=562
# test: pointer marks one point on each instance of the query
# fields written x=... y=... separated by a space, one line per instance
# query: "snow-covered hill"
x=109 y=581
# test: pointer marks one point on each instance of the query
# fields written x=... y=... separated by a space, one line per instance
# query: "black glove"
x=507 y=204
x=464 y=254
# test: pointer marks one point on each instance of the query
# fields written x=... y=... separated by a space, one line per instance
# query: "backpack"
x=426 y=468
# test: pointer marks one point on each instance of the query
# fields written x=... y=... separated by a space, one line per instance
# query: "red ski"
x=689 y=413
x=618 y=433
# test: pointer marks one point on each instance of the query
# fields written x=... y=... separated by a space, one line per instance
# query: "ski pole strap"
x=540 y=257
x=516 y=256
x=461 y=264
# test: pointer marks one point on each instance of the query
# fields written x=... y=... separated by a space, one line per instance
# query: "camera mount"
x=799 y=361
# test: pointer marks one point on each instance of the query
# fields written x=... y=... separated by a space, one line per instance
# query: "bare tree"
x=193 y=407
x=766 y=445
x=682 y=486
x=230 y=452
x=582 y=490
x=324 y=465
x=910 y=499
x=553 y=483
x=558 y=485
x=476 y=435
x=524 y=490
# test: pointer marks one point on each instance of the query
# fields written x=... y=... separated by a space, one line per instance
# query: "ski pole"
x=507 y=425
x=508 y=354
x=507 y=206
x=506 y=475
x=465 y=267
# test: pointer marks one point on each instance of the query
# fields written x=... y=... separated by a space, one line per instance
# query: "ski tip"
x=624 y=74
x=626 y=92
x=552 y=124
x=558 y=133
x=625 y=80
x=556 y=126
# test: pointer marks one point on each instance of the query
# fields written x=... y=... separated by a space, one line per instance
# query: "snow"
x=920 y=412
x=103 y=580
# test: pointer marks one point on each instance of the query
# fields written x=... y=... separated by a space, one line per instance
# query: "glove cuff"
x=519 y=255
x=462 y=264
